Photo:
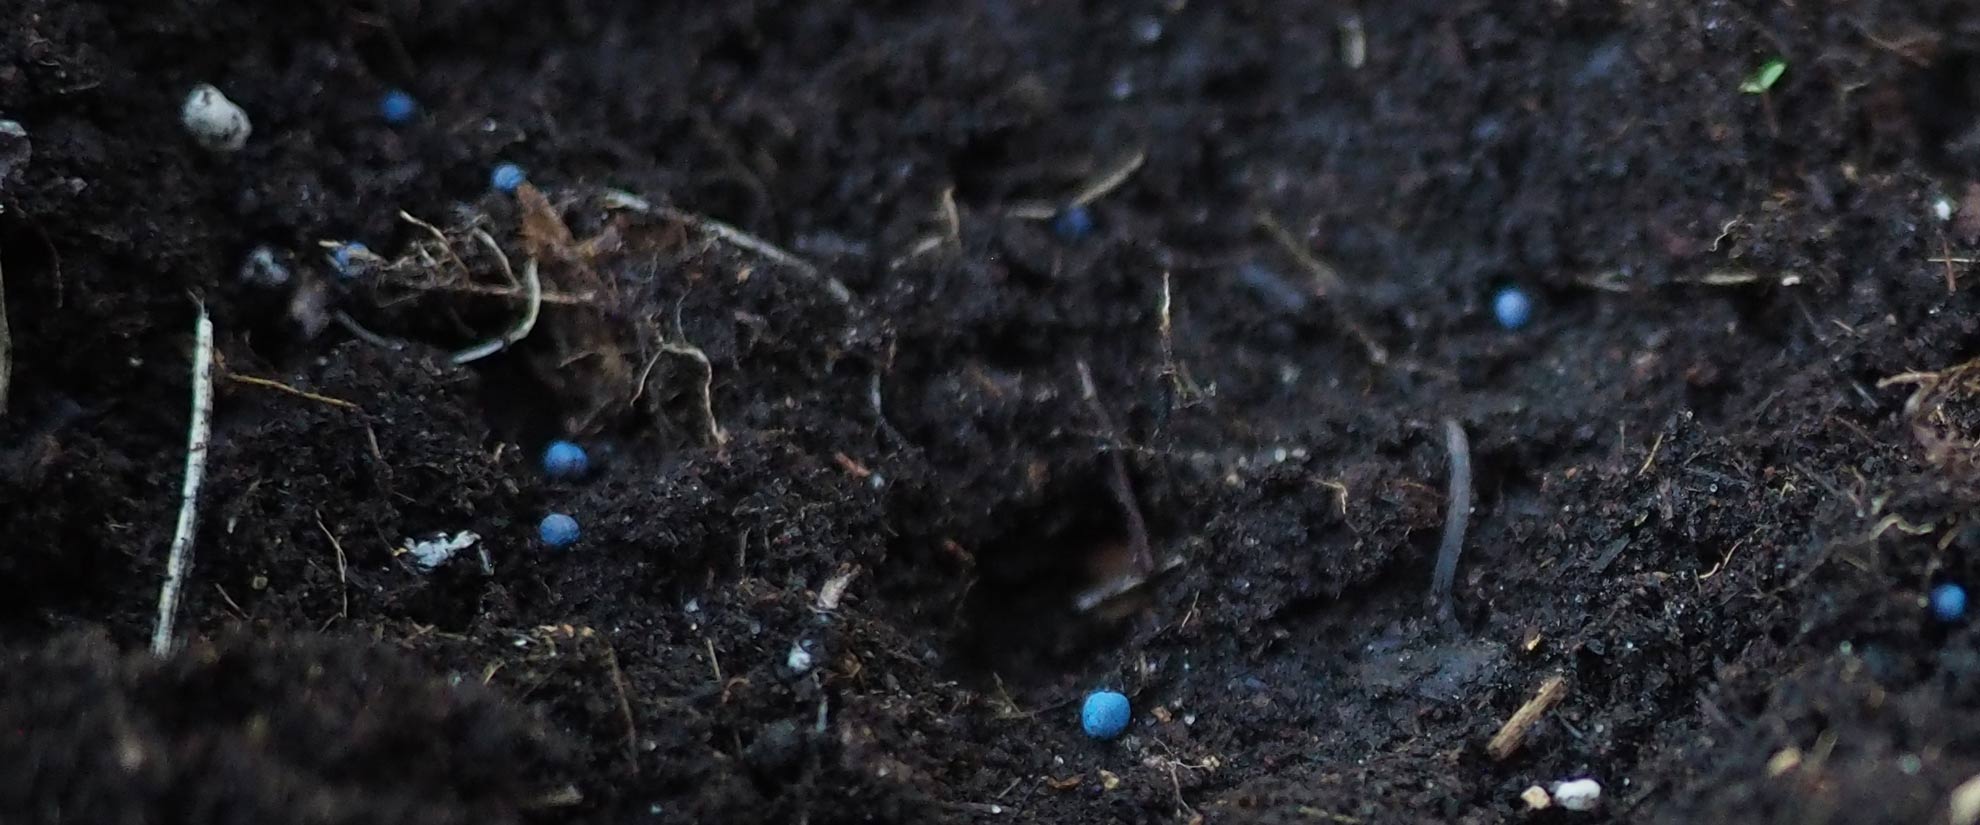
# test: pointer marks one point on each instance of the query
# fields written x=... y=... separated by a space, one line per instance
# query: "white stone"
x=214 y=121
x=1578 y=794
x=799 y=659
x=436 y=551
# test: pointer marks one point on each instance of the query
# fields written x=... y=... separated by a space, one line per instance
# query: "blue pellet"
x=397 y=107
x=1512 y=307
x=1948 y=602
x=1073 y=223
x=506 y=177
x=350 y=259
x=558 y=530
x=1105 y=714
x=565 y=460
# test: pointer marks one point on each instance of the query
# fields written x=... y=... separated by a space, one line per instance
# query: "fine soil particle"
x=856 y=542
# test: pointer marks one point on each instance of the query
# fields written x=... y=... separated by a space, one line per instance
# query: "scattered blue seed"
x=1512 y=308
x=1073 y=223
x=558 y=530
x=397 y=107
x=506 y=177
x=350 y=259
x=1949 y=602
x=1105 y=714
x=564 y=460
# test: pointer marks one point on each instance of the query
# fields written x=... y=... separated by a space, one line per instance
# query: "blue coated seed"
x=558 y=530
x=350 y=259
x=1949 y=602
x=397 y=107
x=564 y=460
x=1073 y=223
x=506 y=177
x=1105 y=714
x=1512 y=308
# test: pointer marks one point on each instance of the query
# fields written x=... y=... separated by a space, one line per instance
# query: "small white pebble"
x=262 y=269
x=799 y=659
x=1963 y=805
x=214 y=121
x=1578 y=794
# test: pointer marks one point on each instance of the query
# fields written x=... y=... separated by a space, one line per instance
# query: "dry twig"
x=1117 y=477
x=1513 y=732
x=734 y=237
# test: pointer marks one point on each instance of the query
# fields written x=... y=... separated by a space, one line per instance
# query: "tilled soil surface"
x=889 y=468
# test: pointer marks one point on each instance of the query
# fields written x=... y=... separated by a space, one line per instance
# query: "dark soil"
x=1698 y=494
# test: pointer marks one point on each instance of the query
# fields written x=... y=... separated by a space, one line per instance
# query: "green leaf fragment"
x=1765 y=77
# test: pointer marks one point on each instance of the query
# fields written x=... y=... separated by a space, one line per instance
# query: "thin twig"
x=197 y=433
x=351 y=326
x=562 y=298
x=1327 y=280
x=952 y=218
x=1180 y=384
x=281 y=387
x=343 y=577
x=734 y=237
x=1117 y=477
x=1457 y=514
x=439 y=236
x=6 y=349
x=1652 y=457
x=1110 y=178
x=487 y=240
x=1513 y=732
x=516 y=333
x=738 y=238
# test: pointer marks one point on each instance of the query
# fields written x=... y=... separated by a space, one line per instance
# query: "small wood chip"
x=1513 y=732
x=1786 y=760
x=835 y=588
x=1537 y=798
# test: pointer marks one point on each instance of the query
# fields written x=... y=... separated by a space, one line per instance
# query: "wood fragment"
x=1513 y=732
x=834 y=589
x=713 y=433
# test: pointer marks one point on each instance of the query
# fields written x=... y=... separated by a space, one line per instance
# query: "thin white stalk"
x=197 y=440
